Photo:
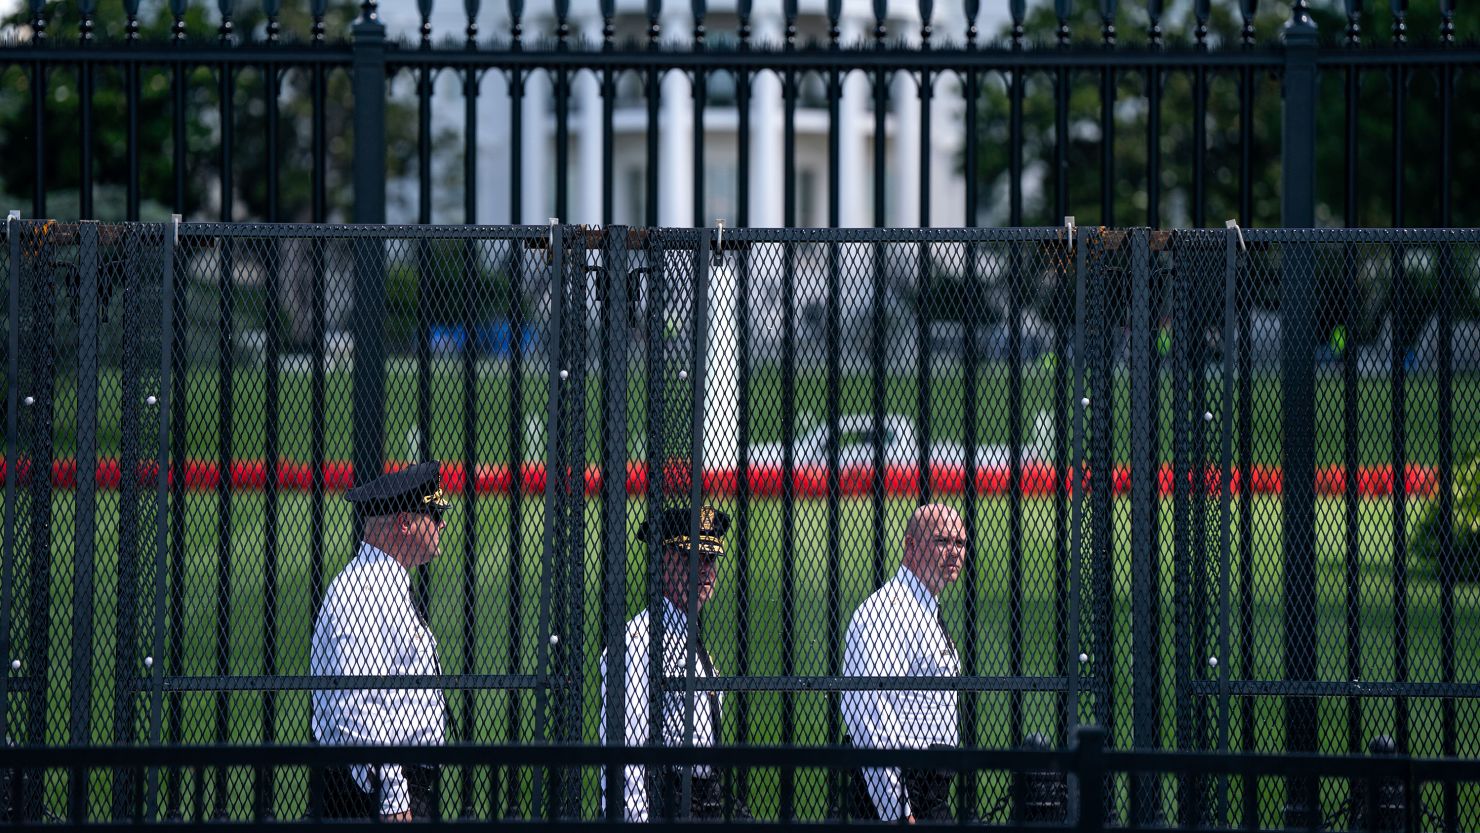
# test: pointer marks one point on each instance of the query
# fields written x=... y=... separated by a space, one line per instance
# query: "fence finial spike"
x=1233 y=224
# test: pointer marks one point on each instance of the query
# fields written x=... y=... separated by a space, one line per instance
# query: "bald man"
x=899 y=632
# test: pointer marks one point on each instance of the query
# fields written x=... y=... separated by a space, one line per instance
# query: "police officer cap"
x=415 y=488
x=676 y=523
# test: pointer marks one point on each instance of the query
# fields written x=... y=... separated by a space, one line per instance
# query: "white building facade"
x=588 y=166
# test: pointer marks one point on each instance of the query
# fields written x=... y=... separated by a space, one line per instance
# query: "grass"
x=495 y=424
x=504 y=582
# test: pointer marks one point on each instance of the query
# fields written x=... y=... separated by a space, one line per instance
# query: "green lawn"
x=813 y=634
x=495 y=425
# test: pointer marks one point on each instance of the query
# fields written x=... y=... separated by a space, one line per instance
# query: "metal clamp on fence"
x=1233 y=224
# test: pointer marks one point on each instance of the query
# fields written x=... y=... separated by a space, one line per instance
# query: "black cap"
x=415 y=488
x=676 y=523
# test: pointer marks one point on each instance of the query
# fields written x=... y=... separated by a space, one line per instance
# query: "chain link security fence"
x=1216 y=489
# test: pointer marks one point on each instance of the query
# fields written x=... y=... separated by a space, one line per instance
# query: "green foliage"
x=1409 y=306
x=251 y=138
x=1373 y=199
x=1130 y=200
x=1428 y=534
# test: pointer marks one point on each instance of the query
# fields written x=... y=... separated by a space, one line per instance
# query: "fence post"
x=614 y=381
x=12 y=445
x=369 y=114
x=1298 y=176
x=1145 y=668
x=550 y=695
x=84 y=566
x=369 y=288
x=155 y=661
x=1089 y=769
x=1298 y=373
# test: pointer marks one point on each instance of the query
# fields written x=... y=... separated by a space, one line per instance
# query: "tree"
x=250 y=137
x=1407 y=307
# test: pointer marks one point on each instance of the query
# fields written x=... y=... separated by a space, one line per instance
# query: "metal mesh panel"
x=1380 y=562
x=1211 y=488
x=81 y=508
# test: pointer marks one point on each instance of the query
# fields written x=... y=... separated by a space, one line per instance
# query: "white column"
x=855 y=164
x=722 y=371
x=947 y=182
x=493 y=120
x=904 y=196
x=767 y=197
x=535 y=137
x=493 y=144
x=675 y=136
x=591 y=172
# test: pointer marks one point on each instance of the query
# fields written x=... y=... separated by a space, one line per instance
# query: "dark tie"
x=945 y=631
x=419 y=606
x=711 y=695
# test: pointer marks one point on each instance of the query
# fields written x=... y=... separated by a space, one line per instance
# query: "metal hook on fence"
x=550 y=252
x=1069 y=230
x=1233 y=224
x=719 y=240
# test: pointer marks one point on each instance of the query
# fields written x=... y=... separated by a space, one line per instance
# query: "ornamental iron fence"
x=767 y=114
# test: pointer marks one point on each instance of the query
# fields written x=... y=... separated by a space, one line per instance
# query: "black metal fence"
x=1212 y=502
x=1050 y=789
x=785 y=114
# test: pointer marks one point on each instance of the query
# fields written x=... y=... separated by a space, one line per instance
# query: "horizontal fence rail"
x=1215 y=493
x=773 y=113
x=1049 y=789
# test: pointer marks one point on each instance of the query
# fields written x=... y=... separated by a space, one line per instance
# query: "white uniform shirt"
x=896 y=633
x=675 y=664
x=368 y=627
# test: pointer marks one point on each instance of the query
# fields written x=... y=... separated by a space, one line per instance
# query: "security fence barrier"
x=1060 y=789
x=1216 y=490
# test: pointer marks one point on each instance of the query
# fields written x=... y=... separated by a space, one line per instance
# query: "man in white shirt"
x=685 y=721
x=370 y=626
x=899 y=632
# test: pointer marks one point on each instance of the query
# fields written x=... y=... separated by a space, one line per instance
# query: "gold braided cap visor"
x=708 y=544
x=436 y=504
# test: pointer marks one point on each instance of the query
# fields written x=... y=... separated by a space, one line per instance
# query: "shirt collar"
x=375 y=555
x=912 y=583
